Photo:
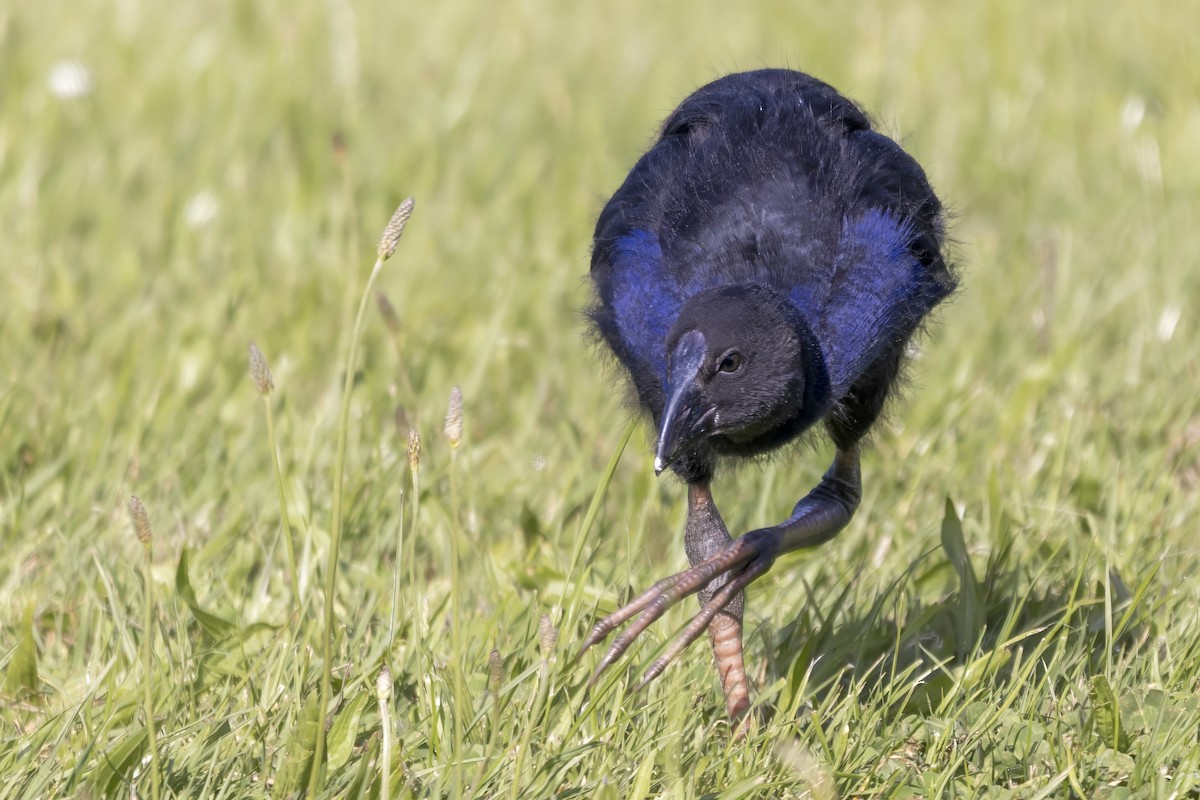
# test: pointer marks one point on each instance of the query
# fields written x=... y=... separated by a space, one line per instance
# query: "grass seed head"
x=454 y=418
x=141 y=522
x=414 y=451
x=395 y=228
x=547 y=635
x=260 y=372
x=383 y=685
x=495 y=671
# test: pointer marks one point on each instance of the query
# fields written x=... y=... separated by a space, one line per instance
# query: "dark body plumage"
x=770 y=216
x=772 y=177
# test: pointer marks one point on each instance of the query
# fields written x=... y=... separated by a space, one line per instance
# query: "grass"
x=1011 y=613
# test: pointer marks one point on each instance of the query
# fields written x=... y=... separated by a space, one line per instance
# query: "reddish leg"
x=722 y=567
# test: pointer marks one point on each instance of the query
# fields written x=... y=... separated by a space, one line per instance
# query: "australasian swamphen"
x=762 y=269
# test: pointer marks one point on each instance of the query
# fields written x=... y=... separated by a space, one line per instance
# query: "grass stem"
x=456 y=648
x=383 y=691
x=148 y=679
x=293 y=572
x=141 y=525
x=335 y=535
x=264 y=382
x=387 y=246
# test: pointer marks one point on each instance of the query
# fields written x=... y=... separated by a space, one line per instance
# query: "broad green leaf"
x=299 y=751
x=641 y=780
x=1108 y=714
x=214 y=626
x=343 y=731
x=22 y=674
x=969 y=620
x=118 y=762
x=983 y=666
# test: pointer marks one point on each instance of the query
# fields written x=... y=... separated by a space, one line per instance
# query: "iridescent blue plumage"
x=771 y=178
x=645 y=301
x=761 y=269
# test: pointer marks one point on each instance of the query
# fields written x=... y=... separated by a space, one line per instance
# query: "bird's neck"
x=813 y=398
x=816 y=395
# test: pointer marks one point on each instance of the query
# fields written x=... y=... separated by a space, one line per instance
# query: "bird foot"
x=746 y=559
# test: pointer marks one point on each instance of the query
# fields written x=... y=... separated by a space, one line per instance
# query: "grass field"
x=1013 y=612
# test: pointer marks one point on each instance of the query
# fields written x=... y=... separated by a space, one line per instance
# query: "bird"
x=760 y=273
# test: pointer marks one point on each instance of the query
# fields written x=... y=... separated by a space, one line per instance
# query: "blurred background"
x=178 y=179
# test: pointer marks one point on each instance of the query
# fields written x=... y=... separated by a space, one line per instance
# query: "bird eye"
x=730 y=362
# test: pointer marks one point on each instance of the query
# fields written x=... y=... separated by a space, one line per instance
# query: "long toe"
x=739 y=558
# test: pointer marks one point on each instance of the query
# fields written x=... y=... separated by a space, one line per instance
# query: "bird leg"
x=705 y=537
x=816 y=519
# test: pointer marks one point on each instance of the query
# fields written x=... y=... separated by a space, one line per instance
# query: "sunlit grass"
x=177 y=181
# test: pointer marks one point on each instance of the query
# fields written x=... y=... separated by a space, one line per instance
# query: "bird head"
x=739 y=364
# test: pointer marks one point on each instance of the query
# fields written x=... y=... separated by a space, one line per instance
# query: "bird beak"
x=683 y=421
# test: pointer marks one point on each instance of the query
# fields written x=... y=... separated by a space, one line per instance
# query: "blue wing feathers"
x=874 y=294
x=645 y=302
x=878 y=293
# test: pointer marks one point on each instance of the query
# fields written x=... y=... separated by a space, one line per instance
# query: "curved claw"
x=741 y=556
x=699 y=623
x=610 y=623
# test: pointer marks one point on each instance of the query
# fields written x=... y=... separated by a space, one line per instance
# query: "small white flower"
x=201 y=209
x=1133 y=112
x=1167 y=320
x=68 y=80
x=539 y=462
